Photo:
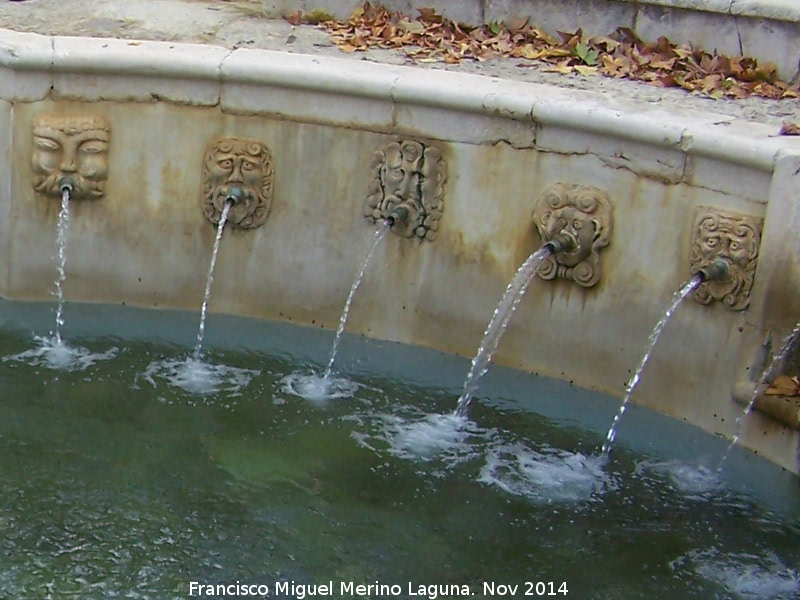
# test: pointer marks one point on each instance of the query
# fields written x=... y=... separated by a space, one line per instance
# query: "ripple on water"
x=547 y=476
x=745 y=576
x=317 y=388
x=54 y=353
x=691 y=480
x=199 y=377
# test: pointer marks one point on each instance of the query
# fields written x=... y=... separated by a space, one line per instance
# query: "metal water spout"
x=66 y=183
x=234 y=194
x=563 y=242
x=399 y=215
x=717 y=269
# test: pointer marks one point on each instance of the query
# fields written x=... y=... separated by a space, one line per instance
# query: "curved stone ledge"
x=125 y=70
x=124 y=57
x=780 y=10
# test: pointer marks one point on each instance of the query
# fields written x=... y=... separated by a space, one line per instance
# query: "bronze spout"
x=235 y=194
x=563 y=242
x=66 y=183
x=718 y=269
x=400 y=214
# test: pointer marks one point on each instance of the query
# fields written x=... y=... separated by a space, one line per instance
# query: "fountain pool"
x=116 y=484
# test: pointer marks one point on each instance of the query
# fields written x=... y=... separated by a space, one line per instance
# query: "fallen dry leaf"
x=789 y=128
x=585 y=69
x=784 y=386
x=295 y=18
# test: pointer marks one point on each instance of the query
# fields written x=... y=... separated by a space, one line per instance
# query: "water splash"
x=198 y=377
x=376 y=240
x=318 y=389
x=763 y=383
x=498 y=324
x=209 y=280
x=63 y=228
x=684 y=291
x=193 y=374
x=693 y=480
x=53 y=353
x=745 y=576
x=443 y=440
x=548 y=476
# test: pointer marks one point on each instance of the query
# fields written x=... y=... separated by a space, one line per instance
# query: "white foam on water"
x=318 y=388
x=199 y=377
x=549 y=476
x=447 y=438
x=55 y=354
x=692 y=480
x=433 y=435
x=745 y=576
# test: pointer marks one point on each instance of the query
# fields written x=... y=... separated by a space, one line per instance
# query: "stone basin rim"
x=708 y=134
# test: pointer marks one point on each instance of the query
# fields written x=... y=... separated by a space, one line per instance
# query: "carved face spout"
x=583 y=214
x=401 y=174
x=734 y=238
x=408 y=183
x=242 y=169
x=74 y=149
x=725 y=243
x=580 y=228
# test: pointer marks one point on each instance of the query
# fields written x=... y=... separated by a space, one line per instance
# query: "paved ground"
x=242 y=23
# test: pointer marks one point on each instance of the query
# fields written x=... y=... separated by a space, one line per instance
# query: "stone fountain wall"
x=324 y=146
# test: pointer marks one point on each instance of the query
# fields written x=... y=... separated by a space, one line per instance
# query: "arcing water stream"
x=326 y=387
x=498 y=324
x=376 y=240
x=209 y=280
x=63 y=228
x=686 y=289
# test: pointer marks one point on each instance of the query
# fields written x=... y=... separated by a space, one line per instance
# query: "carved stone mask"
x=232 y=164
x=70 y=147
x=411 y=176
x=735 y=238
x=584 y=214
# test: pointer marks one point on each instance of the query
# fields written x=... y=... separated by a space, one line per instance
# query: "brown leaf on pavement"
x=431 y=38
x=784 y=386
x=789 y=128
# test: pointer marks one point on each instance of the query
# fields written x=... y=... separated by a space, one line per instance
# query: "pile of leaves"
x=430 y=37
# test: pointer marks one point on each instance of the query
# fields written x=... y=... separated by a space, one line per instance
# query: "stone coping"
x=146 y=70
x=778 y=10
x=475 y=11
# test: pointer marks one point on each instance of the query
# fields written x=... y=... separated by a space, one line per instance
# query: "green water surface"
x=116 y=486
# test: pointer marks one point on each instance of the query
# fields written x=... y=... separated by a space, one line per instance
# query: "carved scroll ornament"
x=584 y=214
x=408 y=176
